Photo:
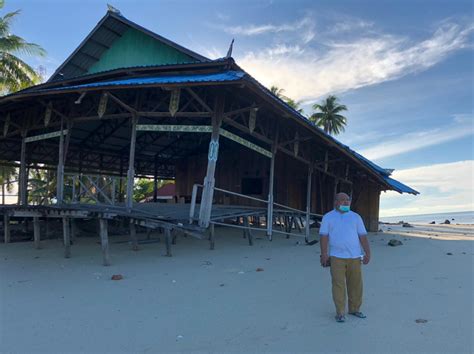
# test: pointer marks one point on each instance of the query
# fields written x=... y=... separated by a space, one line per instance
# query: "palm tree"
x=329 y=118
x=8 y=176
x=279 y=92
x=15 y=74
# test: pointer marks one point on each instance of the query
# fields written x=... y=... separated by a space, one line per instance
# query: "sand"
x=215 y=301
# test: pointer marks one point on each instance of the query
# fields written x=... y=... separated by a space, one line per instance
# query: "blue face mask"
x=344 y=208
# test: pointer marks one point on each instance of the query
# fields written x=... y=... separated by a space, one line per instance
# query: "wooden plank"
x=6 y=228
x=36 y=232
x=66 y=237
x=39 y=137
x=247 y=230
x=245 y=143
x=104 y=241
x=175 y=128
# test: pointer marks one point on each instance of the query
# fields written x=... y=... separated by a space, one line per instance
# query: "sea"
x=460 y=217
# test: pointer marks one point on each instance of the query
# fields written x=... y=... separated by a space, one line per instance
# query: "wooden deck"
x=165 y=217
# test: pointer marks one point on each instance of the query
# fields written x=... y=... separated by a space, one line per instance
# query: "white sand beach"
x=215 y=301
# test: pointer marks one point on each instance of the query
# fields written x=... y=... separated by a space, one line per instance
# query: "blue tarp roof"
x=226 y=76
x=399 y=186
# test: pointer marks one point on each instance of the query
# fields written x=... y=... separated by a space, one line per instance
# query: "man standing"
x=344 y=232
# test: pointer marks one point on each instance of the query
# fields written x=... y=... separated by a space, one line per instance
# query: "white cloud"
x=443 y=187
x=309 y=73
x=418 y=140
x=254 y=30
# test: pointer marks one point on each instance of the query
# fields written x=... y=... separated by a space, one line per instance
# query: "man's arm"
x=365 y=245
x=324 y=250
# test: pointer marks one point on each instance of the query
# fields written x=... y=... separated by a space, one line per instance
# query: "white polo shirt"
x=343 y=230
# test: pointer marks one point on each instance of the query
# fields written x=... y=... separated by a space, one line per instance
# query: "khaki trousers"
x=346 y=271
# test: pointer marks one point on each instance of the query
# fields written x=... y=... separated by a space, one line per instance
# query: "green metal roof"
x=117 y=42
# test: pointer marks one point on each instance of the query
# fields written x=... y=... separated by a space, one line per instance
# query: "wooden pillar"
x=247 y=230
x=60 y=172
x=212 y=236
x=104 y=241
x=120 y=195
x=270 y=189
x=168 y=241
x=209 y=180
x=6 y=228
x=133 y=236
x=73 y=230
x=23 y=177
x=131 y=163
x=67 y=238
x=155 y=181
x=308 y=203
x=36 y=232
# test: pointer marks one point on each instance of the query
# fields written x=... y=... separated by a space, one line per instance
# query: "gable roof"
x=110 y=30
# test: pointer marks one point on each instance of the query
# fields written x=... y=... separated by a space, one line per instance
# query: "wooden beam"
x=199 y=99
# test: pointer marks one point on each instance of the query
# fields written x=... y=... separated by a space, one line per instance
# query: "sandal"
x=340 y=318
x=358 y=314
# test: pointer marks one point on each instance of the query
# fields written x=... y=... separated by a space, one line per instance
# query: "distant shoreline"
x=458 y=217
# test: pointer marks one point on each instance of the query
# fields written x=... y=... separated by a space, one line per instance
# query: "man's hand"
x=324 y=260
x=366 y=259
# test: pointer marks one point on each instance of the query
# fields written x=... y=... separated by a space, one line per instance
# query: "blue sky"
x=403 y=68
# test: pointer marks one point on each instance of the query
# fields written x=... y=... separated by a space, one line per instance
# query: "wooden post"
x=60 y=171
x=36 y=232
x=209 y=180
x=212 y=237
x=66 y=237
x=104 y=241
x=248 y=231
x=6 y=228
x=270 y=188
x=168 y=241
x=23 y=177
x=193 y=203
x=308 y=202
x=131 y=163
x=73 y=230
x=133 y=236
x=155 y=181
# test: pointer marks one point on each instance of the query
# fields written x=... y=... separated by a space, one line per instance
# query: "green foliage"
x=143 y=188
x=279 y=92
x=329 y=117
x=15 y=74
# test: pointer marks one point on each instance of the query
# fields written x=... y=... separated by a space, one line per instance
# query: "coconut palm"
x=15 y=74
x=8 y=176
x=279 y=92
x=329 y=117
